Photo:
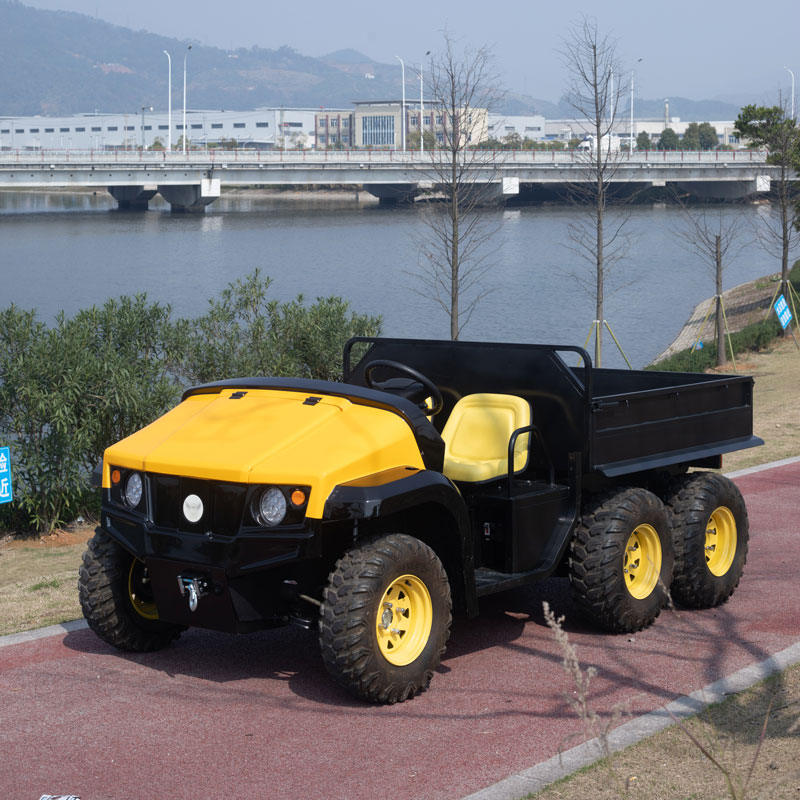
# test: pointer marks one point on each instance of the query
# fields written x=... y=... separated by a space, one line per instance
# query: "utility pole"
x=184 y=98
x=169 y=100
x=403 y=111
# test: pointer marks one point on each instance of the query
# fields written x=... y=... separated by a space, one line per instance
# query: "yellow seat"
x=477 y=434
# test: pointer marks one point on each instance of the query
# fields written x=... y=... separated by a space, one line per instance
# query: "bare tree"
x=718 y=240
x=595 y=88
x=773 y=129
x=456 y=251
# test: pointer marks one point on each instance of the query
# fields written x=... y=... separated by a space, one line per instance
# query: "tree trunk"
x=454 y=252
x=721 y=356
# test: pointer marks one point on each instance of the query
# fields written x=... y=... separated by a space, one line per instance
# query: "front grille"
x=223 y=504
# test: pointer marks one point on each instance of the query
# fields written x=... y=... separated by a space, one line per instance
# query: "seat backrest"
x=477 y=434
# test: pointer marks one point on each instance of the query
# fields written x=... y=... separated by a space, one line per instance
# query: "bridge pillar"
x=133 y=197
x=393 y=193
x=191 y=198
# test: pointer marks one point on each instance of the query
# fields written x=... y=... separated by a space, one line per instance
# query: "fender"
x=394 y=491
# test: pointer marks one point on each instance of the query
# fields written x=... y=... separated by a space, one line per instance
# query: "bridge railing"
x=225 y=158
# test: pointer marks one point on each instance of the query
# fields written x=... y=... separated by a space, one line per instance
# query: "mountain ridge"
x=72 y=63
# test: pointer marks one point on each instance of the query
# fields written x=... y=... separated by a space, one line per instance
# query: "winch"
x=195 y=587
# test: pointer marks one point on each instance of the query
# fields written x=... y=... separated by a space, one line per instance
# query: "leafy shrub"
x=69 y=391
x=244 y=333
x=66 y=392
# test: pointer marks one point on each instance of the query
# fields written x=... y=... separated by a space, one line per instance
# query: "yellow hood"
x=270 y=436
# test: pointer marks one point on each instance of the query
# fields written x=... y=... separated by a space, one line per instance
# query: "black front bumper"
x=244 y=582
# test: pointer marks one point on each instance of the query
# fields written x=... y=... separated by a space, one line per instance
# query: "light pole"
x=792 y=74
x=169 y=101
x=422 y=108
x=403 y=112
x=633 y=72
x=184 y=97
x=144 y=108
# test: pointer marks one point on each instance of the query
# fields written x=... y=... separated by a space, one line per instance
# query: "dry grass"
x=39 y=580
x=670 y=765
x=776 y=410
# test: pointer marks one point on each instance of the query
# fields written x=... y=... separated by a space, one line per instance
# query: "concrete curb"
x=536 y=778
x=43 y=633
x=761 y=467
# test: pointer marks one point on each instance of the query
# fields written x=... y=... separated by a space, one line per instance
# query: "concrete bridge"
x=189 y=182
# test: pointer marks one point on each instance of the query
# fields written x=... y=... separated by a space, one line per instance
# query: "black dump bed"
x=621 y=421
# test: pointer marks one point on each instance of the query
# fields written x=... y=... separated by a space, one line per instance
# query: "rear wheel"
x=710 y=531
x=385 y=618
x=117 y=600
x=621 y=560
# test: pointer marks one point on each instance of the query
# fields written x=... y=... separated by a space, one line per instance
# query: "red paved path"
x=257 y=716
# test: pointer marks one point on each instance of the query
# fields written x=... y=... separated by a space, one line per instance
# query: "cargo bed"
x=621 y=421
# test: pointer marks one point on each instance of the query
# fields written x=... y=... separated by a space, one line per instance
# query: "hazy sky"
x=697 y=49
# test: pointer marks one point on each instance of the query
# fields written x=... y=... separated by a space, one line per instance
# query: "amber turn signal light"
x=298 y=497
x=115 y=476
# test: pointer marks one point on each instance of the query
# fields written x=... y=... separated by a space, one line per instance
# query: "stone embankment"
x=744 y=305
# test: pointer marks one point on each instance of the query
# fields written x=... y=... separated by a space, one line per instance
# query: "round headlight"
x=133 y=490
x=271 y=507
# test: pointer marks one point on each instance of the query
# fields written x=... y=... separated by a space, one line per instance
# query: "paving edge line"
x=43 y=633
x=740 y=473
x=560 y=766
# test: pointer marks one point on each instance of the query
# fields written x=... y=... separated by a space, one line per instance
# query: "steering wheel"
x=428 y=386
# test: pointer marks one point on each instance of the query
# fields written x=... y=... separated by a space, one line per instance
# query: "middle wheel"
x=385 y=618
x=621 y=560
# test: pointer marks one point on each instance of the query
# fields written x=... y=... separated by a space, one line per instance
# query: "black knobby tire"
x=600 y=566
x=103 y=588
x=699 y=503
x=360 y=587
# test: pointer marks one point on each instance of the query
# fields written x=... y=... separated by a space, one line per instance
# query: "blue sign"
x=6 y=495
x=783 y=312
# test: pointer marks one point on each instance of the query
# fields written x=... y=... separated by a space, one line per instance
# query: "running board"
x=488 y=581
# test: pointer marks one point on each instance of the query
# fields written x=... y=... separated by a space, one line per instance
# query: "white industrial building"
x=527 y=127
x=264 y=128
x=290 y=128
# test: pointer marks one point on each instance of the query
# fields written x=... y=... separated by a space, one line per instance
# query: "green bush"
x=66 y=392
x=244 y=334
x=69 y=391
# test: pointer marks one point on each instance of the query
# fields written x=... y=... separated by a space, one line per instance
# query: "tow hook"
x=194 y=587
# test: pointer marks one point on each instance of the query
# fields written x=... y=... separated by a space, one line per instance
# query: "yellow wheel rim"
x=720 y=541
x=404 y=619
x=139 y=592
x=641 y=564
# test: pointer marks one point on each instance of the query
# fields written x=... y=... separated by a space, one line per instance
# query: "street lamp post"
x=169 y=101
x=422 y=108
x=184 y=97
x=792 y=74
x=633 y=72
x=144 y=108
x=403 y=112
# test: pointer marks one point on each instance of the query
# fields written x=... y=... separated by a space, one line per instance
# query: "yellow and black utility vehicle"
x=437 y=472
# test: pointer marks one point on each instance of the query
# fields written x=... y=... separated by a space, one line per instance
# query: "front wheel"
x=385 y=618
x=710 y=529
x=117 y=601
x=621 y=560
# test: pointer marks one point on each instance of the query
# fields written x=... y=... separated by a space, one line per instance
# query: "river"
x=64 y=252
